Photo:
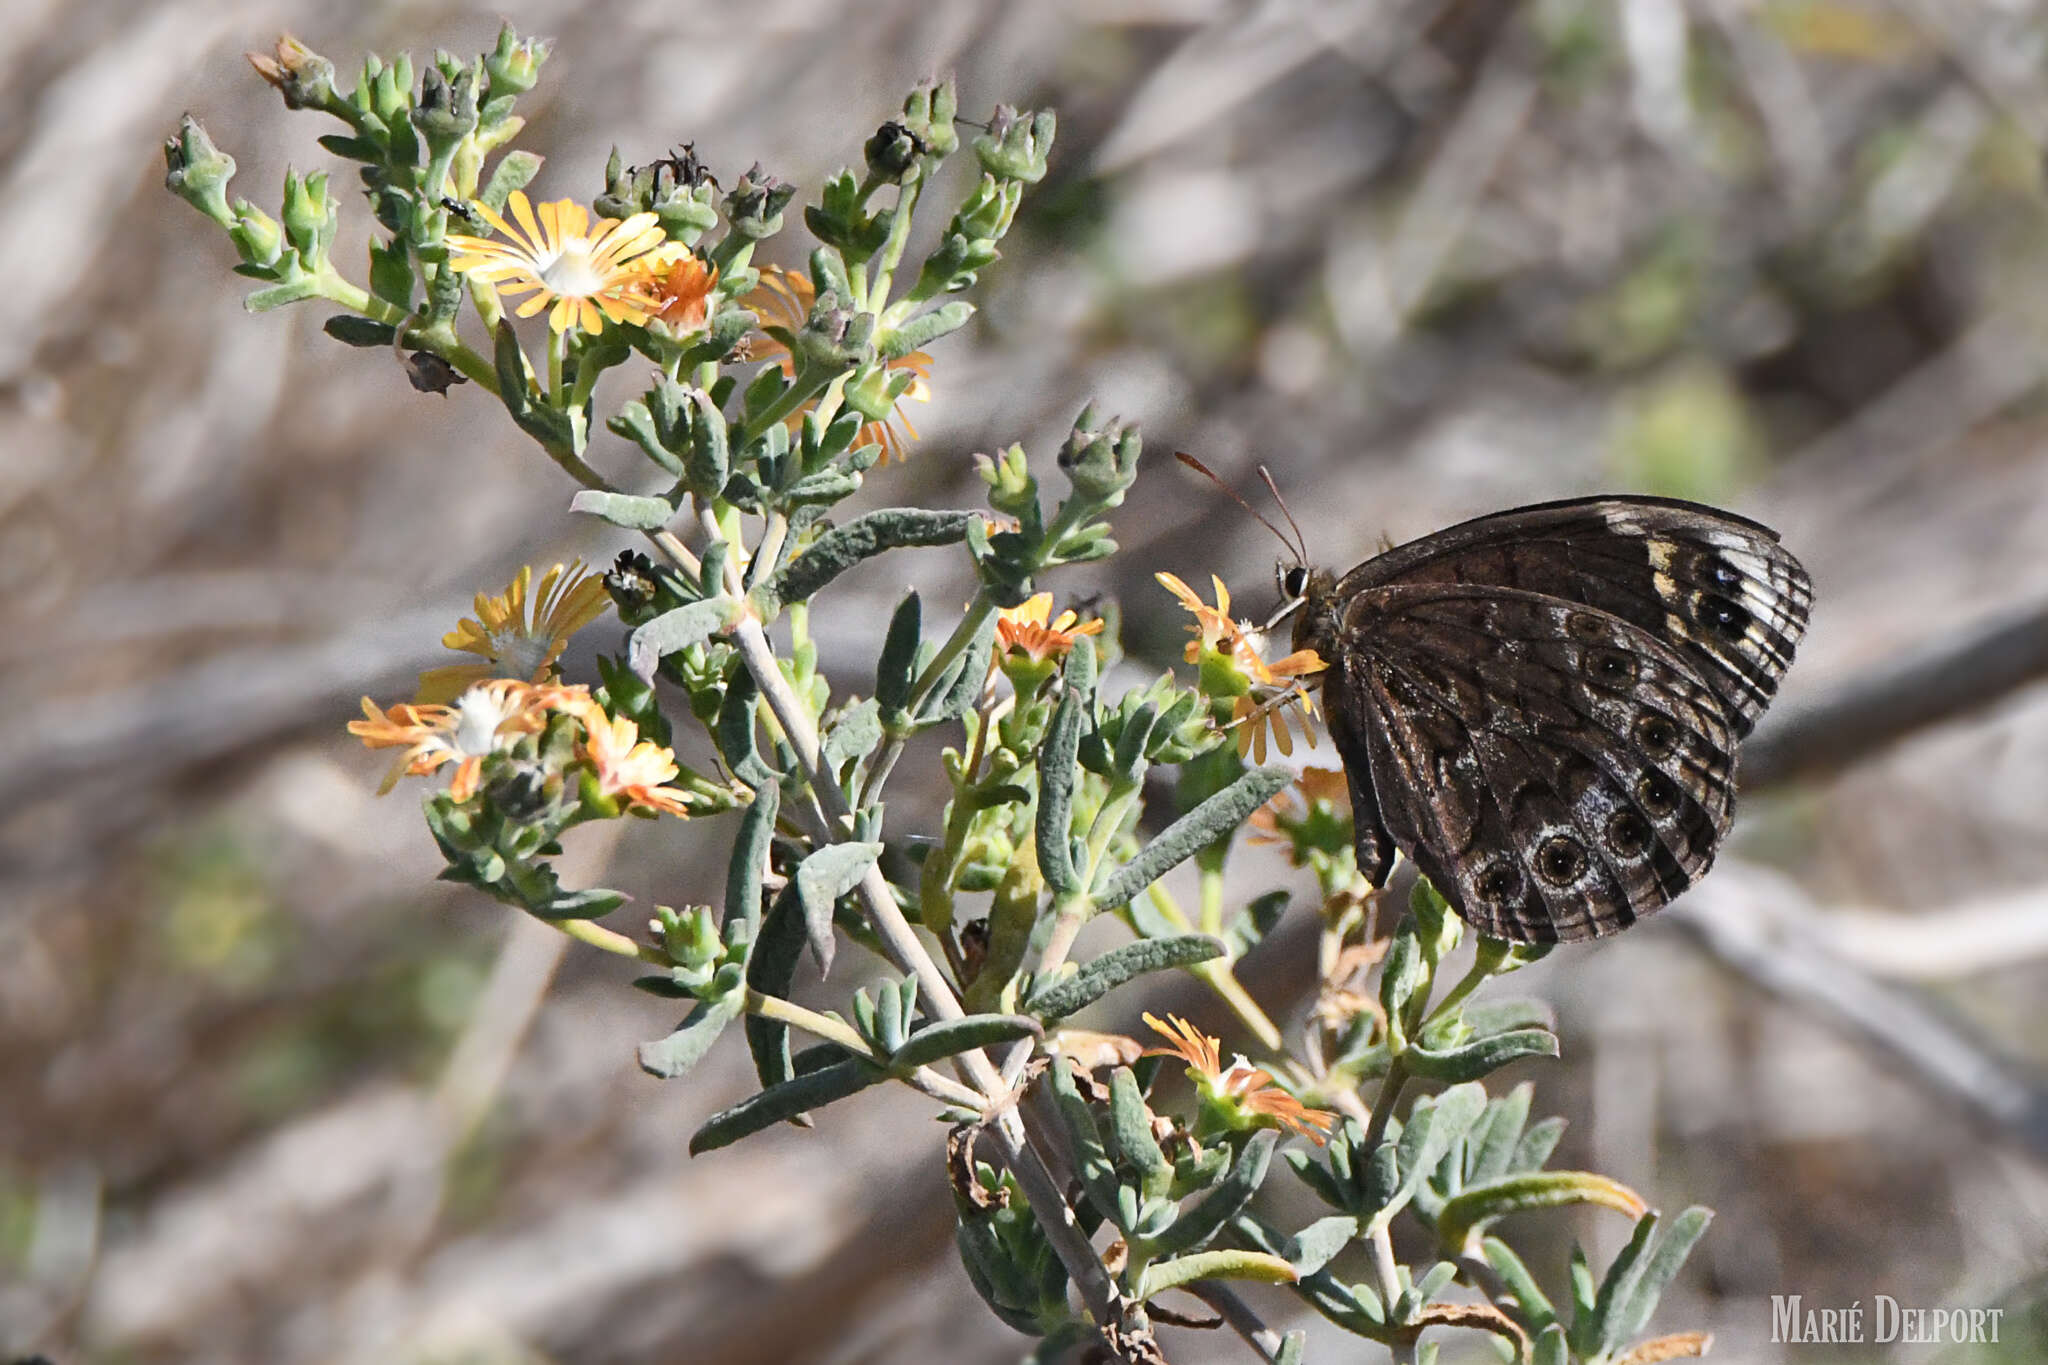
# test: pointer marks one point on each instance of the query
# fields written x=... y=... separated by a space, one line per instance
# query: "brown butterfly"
x=1541 y=707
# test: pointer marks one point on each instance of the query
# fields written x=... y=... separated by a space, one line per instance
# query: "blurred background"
x=270 y=1094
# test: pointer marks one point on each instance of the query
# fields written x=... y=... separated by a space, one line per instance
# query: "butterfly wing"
x=1719 y=588
x=1556 y=771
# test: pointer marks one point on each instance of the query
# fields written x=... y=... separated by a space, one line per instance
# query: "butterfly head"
x=1309 y=595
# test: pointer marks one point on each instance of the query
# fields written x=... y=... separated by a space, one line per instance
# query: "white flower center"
x=573 y=273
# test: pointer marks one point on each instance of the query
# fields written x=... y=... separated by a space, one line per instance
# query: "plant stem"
x=1048 y=1204
x=610 y=940
x=1239 y=1317
x=899 y=237
x=838 y=1031
x=1384 y=1102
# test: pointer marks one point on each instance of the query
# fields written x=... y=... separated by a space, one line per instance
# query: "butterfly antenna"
x=1192 y=463
x=1300 y=540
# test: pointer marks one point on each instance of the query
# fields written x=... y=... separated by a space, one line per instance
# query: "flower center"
x=572 y=273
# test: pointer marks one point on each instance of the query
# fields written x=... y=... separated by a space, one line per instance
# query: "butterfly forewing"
x=1541 y=707
x=1718 y=588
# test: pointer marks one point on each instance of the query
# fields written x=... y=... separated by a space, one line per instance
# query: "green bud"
x=1103 y=464
x=198 y=172
x=1015 y=145
x=834 y=337
x=301 y=75
x=987 y=213
x=256 y=234
x=391 y=91
x=754 y=206
x=309 y=216
x=892 y=152
x=512 y=65
x=928 y=114
x=1008 y=476
x=874 y=393
x=446 y=112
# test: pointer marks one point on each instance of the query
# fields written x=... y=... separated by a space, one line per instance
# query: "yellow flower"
x=1241 y=1089
x=519 y=633
x=784 y=299
x=588 y=273
x=629 y=769
x=1027 y=629
x=488 y=718
x=680 y=299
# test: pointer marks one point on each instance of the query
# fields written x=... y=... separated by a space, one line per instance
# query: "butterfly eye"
x=1656 y=735
x=1499 y=883
x=1722 y=616
x=1611 y=667
x=1560 y=860
x=1657 y=793
x=1627 y=833
x=1294 y=581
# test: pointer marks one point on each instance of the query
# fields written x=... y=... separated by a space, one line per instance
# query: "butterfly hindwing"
x=1556 y=771
x=1720 y=589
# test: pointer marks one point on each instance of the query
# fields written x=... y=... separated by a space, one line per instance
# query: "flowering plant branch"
x=772 y=395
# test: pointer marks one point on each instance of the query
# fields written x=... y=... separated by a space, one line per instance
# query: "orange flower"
x=1028 y=629
x=1242 y=1091
x=784 y=299
x=1233 y=666
x=487 y=718
x=680 y=300
x=628 y=768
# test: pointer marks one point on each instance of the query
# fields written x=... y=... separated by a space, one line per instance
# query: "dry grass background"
x=268 y=1094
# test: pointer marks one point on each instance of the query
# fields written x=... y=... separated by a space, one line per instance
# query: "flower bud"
x=256 y=235
x=1015 y=146
x=309 y=216
x=446 y=112
x=301 y=75
x=1100 y=464
x=928 y=114
x=754 y=207
x=513 y=66
x=198 y=172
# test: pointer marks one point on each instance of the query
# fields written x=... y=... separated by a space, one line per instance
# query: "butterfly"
x=1541 y=707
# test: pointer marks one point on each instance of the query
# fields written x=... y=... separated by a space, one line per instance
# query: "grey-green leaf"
x=627 y=510
x=673 y=631
x=822 y=879
x=1056 y=773
x=812 y=1090
x=1481 y=1056
x=1104 y=974
x=1197 y=1225
x=1213 y=819
x=935 y=1042
x=672 y=1056
x=864 y=537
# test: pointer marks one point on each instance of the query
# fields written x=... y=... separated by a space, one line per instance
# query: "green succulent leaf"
x=672 y=1056
x=1213 y=819
x=1056 y=1000
x=789 y=1100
